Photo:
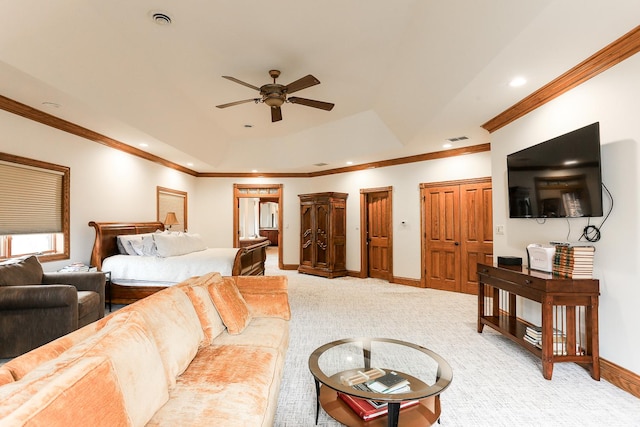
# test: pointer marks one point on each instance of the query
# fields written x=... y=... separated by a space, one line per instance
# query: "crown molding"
x=39 y=116
x=616 y=52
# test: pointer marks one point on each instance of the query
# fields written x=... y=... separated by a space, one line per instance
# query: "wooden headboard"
x=106 y=232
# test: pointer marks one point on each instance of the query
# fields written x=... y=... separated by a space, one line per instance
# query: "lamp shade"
x=171 y=219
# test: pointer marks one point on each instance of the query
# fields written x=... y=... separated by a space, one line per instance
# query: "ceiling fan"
x=274 y=94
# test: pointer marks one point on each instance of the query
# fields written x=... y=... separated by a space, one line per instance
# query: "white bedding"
x=170 y=269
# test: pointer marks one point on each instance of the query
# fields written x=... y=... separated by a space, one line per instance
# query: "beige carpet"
x=495 y=382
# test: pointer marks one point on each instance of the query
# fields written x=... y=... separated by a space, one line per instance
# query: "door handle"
x=456 y=243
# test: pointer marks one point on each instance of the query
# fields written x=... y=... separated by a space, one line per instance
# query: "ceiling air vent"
x=160 y=18
x=459 y=138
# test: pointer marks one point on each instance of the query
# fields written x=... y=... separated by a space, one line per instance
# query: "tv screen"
x=558 y=178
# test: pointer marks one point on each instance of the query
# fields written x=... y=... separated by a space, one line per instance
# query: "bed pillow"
x=137 y=244
x=231 y=305
x=145 y=246
x=178 y=244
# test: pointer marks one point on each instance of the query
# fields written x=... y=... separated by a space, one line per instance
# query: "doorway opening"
x=257 y=214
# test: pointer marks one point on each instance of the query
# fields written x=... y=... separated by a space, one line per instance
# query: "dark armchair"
x=38 y=307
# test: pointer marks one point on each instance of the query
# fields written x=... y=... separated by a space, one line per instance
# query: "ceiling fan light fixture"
x=275 y=94
x=274 y=100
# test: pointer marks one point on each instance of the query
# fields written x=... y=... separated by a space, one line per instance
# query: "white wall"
x=213 y=214
x=106 y=184
x=611 y=99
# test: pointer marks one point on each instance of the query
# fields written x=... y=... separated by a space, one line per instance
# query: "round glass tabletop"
x=340 y=364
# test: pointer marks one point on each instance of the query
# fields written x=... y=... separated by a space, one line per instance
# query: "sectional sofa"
x=207 y=352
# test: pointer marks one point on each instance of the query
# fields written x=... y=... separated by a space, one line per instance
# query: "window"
x=34 y=217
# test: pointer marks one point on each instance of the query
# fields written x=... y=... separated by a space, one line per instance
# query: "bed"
x=127 y=285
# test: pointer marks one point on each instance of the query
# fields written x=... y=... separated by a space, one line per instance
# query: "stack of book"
x=368 y=409
x=573 y=262
x=76 y=267
x=533 y=335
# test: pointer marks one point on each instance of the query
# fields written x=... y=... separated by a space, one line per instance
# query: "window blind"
x=31 y=200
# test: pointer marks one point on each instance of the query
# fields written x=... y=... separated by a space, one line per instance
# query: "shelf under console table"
x=569 y=309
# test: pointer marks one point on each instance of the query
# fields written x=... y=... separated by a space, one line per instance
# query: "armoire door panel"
x=306 y=235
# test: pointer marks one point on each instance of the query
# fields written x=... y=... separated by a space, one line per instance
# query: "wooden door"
x=442 y=236
x=378 y=234
x=458 y=233
x=476 y=232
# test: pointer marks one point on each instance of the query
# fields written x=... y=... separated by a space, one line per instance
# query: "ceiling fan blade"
x=303 y=83
x=231 y=104
x=233 y=79
x=311 y=103
x=276 y=114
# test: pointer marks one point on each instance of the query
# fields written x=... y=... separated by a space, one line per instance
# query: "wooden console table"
x=568 y=305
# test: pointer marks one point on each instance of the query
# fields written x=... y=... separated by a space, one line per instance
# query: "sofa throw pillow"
x=23 y=271
x=231 y=305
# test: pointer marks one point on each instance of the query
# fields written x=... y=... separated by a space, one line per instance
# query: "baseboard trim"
x=289 y=267
x=406 y=281
x=620 y=377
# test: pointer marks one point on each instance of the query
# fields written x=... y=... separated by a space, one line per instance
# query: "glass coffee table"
x=338 y=364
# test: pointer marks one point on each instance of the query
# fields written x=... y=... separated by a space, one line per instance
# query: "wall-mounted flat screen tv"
x=558 y=178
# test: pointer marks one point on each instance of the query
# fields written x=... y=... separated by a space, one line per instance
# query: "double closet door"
x=457 y=233
x=323 y=223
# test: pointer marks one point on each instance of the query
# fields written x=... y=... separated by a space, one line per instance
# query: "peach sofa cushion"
x=242 y=390
x=174 y=325
x=85 y=393
x=231 y=305
x=6 y=376
x=196 y=290
x=127 y=343
x=22 y=365
x=266 y=296
x=136 y=361
x=263 y=332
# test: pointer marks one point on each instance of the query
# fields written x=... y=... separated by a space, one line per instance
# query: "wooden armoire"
x=323 y=229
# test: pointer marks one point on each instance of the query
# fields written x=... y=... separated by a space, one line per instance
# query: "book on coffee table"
x=388 y=383
x=366 y=410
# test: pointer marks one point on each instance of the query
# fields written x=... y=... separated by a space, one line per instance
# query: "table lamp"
x=170 y=220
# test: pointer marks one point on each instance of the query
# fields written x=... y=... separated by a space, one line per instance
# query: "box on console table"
x=561 y=299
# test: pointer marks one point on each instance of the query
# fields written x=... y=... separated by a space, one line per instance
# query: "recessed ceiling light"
x=189 y=164
x=254 y=170
x=447 y=145
x=349 y=163
x=517 y=82
x=51 y=104
x=143 y=144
